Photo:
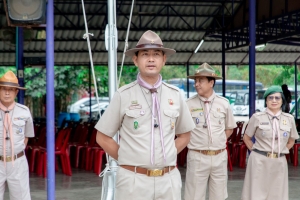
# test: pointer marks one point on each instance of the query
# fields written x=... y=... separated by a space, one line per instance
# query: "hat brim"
x=18 y=87
x=167 y=51
x=195 y=76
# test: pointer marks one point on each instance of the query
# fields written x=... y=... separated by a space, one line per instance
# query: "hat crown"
x=9 y=77
x=149 y=38
x=272 y=89
x=205 y=68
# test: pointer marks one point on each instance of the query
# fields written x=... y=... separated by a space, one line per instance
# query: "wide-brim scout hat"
x=205 y=70
x=9 y=79
x=273 y=89
x=149 y=40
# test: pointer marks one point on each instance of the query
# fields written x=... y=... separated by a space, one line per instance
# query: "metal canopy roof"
x=181 y=25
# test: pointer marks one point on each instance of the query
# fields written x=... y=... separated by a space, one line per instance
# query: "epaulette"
x=223 y=98
x=171 y=86
x=287 y=115
x=260 y=113
x=22 y=106
x=192 y=97
x=125 y=87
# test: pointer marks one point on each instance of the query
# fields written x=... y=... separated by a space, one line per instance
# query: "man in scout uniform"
x=15 y=127
x=207 y=155
x=148 y=113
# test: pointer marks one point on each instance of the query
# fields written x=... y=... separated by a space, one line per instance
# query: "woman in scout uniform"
x=148 y=114
x=275 y=133
x=15 y=127
x=207 y=155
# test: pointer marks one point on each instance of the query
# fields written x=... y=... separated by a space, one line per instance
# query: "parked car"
x=85 y=102
x=85 y=111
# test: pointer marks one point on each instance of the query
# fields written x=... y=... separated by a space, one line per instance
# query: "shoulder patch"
x=221 y=97
x=125 y=87
x=22 y=106
x=191 y=98
x=171 y=86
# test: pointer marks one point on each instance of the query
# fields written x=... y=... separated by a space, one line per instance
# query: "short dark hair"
x=211 y=79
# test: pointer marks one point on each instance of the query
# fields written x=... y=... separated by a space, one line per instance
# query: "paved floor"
x=86 y=185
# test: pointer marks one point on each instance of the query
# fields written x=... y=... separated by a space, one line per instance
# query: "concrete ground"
x=87 y=185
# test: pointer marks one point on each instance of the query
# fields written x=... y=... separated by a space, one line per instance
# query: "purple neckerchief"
x=155 y=103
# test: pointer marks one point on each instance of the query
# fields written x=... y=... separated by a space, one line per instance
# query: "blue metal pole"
x=50 y=101
x=252 y=43
x=19 y=62
x=296 y=91
x=223 y=55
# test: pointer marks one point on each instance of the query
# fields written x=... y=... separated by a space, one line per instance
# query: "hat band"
x=9 y=84
x=149 y=46
x=206 y=74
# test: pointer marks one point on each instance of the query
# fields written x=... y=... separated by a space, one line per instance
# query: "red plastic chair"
x=229 y=158
x=33 y=149
x=295 y=154
x=237 y=142
x=61 y=149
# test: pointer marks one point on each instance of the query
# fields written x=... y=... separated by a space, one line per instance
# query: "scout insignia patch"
x=284 y=122
x=142 y=112
x=135 y=124
x=170 y=101
x=201 y=113
x=285 y=134
x=197 y=120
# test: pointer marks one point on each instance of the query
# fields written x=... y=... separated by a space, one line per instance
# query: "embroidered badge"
x=134 y=102
x=285 y=134
x=135 y=106
x=284 y=122
x=201 y=113
x=196 y=109
x=172 y=125
x=264 y=123
x=197 y=120
x=170 y=101
x=20 y=118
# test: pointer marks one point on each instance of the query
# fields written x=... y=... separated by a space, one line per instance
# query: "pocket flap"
x=133 y=113
x=195 y=114
x=19 y=123
x=285 y=128
x=264 y=127
x=171 y=113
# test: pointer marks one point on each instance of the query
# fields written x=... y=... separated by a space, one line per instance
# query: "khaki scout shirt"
x=133 y=104
x=260 y=126
x=221 y=119
x=22 y=126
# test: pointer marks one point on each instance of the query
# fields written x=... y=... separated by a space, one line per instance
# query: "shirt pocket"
x=218 y=117
x=198 y=118
x=170 y=117
x=264 y=131
x=133 y=121
x=285 y=132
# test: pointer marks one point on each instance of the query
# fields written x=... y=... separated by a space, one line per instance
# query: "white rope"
x=126 y=43
x=87 y=37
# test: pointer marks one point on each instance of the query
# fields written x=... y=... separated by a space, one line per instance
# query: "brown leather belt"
x=9 y=158
x=209 y=152
x=148 y=172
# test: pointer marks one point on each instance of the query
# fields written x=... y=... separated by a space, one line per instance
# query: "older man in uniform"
x=207 y=155
x=15 y=127
x=149 y=114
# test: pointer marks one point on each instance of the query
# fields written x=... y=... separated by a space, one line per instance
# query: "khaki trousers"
x=205 y=169
x=134 y=186
x=17 y=178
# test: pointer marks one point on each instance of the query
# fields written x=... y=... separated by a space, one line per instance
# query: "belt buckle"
x=155 y=172
x=211 y=152
x=272 y=155
x=8 y=159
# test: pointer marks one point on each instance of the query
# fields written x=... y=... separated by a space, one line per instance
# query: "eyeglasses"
x=271 y=98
